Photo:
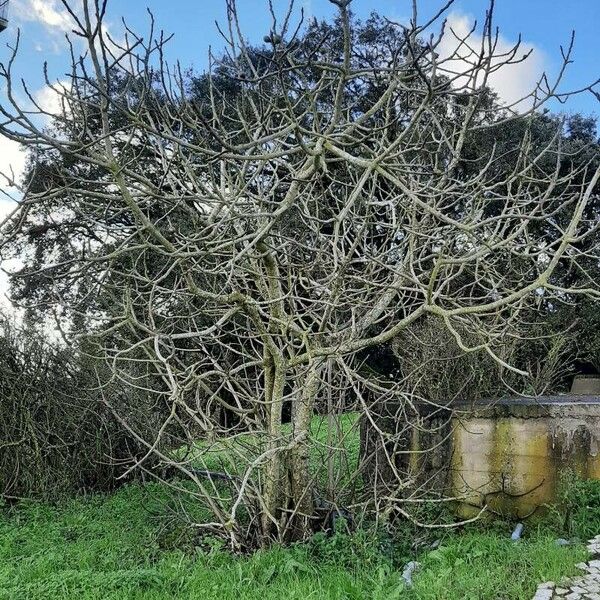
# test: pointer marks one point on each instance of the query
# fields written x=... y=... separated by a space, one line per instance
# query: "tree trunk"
x=272 y=493
x=287 y=495
x=301 y=498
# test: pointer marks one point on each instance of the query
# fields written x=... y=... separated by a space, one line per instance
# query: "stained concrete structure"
x=506 y=454
x=510 y=454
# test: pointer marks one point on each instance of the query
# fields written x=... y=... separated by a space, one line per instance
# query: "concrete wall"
x=508 y=455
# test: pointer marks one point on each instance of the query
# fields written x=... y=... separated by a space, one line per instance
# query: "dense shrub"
x=57 y=433
x=434 y=367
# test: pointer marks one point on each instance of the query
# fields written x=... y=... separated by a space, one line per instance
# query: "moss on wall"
x=512 y=463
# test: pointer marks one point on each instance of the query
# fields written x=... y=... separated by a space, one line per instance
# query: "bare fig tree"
x=248 y=247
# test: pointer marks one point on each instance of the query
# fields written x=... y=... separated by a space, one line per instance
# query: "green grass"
x=128 y=546
x=477 y=566
x=334 y=444
x=225 y=453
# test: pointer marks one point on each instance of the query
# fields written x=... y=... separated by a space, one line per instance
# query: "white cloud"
x=50 y=98
x=6 y=207
x=57 y=22
x=512 y=82
x=48 y=13
x=12 y=156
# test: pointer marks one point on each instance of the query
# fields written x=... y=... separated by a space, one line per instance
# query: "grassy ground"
x=129 y=545
x=126 y=546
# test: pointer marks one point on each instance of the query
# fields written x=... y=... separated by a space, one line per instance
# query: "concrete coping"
x=560 y=405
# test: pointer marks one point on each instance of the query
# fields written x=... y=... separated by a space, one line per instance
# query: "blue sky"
x=544 y=25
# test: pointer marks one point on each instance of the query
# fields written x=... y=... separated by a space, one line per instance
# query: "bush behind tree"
x=57 y=435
